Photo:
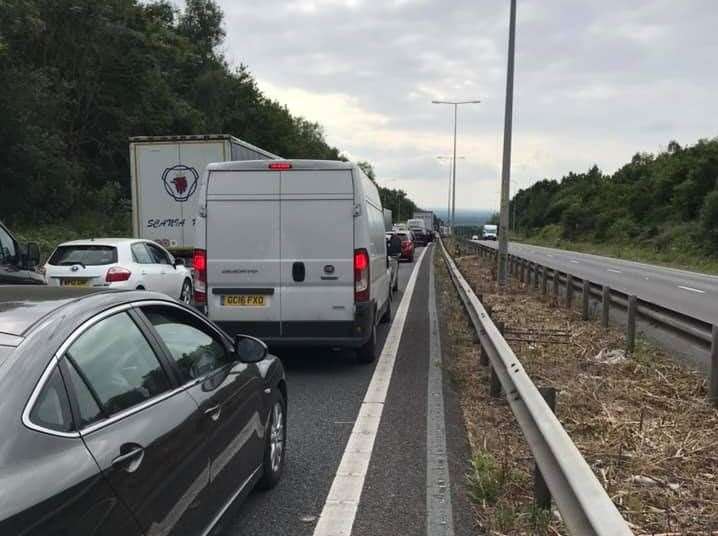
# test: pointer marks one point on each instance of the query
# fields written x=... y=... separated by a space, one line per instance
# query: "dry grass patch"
x=642 y=423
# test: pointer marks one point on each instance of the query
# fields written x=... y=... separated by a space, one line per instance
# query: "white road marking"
x=439 y=519
x=615 y=271
x=692 y=289
x=340 y=508
x=574 y=261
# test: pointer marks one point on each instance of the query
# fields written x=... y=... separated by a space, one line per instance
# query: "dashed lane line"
x=691 y=289
x=615 y=271
x=340 y=508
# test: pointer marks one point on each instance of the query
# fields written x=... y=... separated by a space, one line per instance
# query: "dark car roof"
x=23 y=306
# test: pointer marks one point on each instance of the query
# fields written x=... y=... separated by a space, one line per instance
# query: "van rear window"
x=89 y=255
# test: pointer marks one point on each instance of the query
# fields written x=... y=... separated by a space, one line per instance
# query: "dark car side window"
x=119 y=365
x=195 y=349
x=88 y=402
x=52 y=408
x=7 y=247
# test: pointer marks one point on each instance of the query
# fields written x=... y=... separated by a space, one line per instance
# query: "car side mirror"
x=394 y=249
x=249 y=349
x=178 y=262
x=31 y=255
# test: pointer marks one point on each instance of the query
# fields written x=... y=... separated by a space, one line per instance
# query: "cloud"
x=596 y=82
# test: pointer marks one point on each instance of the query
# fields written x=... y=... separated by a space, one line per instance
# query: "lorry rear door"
x=317 y=252
x=243 y=251
x=166 y=179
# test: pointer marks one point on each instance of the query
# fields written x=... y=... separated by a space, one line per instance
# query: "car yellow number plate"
x=244 y=300
x=75 y=282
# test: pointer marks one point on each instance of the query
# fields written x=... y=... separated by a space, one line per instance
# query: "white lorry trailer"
x=165 y=173
x=427 y=216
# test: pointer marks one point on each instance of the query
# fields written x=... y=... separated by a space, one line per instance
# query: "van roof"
x=263 y=165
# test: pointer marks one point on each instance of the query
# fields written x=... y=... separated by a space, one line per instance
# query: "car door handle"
x=213 y=412
x=131 y=459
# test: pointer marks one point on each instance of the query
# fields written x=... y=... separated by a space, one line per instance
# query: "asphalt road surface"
x=690 y=293
x=383 y=485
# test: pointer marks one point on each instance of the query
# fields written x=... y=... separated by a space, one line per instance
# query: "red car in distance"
x=407 y=245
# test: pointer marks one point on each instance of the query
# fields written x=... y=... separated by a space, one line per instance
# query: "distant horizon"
x=466 y=216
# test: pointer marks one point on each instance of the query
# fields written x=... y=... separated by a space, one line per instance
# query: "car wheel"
x=386 y=317
x=274 y=451
x=367 y=352
x=186 y=293
x=411 y=258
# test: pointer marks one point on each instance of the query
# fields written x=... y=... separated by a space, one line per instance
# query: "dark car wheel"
x=367 y=352
x=274 y=451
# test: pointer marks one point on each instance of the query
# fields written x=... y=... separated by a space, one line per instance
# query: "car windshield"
x=88 y=255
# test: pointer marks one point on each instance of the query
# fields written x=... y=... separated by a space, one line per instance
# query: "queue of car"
x=153 y=410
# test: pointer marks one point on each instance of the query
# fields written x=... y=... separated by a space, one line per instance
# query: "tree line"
x=79 y=77
x=663 y=200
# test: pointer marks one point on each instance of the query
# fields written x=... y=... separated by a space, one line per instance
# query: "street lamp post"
x=456 y=105
x=506 y=165
x=448 y=205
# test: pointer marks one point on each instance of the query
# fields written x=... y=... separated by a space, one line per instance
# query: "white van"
x=293 y=252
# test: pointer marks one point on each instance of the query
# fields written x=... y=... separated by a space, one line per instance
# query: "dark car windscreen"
x=89 y=255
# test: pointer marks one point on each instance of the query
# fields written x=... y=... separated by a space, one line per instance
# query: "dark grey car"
x=127 y=413
x=18 y=261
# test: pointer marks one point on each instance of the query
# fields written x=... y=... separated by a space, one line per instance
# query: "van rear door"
x=317 y=244
x=243 y=251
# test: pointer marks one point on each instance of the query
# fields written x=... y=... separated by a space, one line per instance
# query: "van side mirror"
x=249 y=349
x=30 y=255
x=178 y=262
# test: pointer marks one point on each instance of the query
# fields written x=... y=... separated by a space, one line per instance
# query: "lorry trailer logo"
x=180 y=182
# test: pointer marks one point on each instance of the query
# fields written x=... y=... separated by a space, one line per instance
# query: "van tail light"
x=361 y=275
x=199 y=263
x=117 y=274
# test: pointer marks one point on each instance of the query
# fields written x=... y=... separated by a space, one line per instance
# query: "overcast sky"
x=596 y=82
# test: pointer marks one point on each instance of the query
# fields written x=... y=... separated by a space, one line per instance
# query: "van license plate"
x=244 y=300
x=74 y=282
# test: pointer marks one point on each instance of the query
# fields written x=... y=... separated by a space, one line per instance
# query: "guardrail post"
x=713 y=390
x=605 y=305
x=542 y=495
x=544 y=281
x=631 y=324
x=555 y=286
x=536 y=276
x=569 y=291
x=585 y=298
x=494 y=382
x=483 y=356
